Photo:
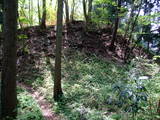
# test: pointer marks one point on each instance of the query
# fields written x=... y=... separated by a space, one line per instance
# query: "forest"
x=79 y=59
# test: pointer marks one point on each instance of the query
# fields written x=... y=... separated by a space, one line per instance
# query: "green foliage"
x=148 y=19
x=22 y=36
x=51 y=16
x=24 y=20
x=86 y=83
x=38 y=81
x=131 y=95
x=90 y=88
x=116 y=116
x=134 y=94
x=34 y=80
x=157 y=59
x=103 y=12
x=27 y=107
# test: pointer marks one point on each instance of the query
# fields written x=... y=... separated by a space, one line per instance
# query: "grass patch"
x=88 y=82
x=27 y=107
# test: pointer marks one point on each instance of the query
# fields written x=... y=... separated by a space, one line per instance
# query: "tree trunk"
x=85 y=10
x=114 y=35
x=30 y=11
x=43 y=22
x=127 y=54
x=89 y=10
x=8 y=83
x=129 y=20
x=135 y=21
x=57 y=80
x=72 y=11
x=39 y=12
x=67 y=11
x=148 y=43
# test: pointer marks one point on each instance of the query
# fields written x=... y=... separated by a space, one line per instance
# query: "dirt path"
x=43 y=104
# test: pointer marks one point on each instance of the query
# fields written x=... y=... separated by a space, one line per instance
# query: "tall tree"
x=57 y=80
x=87 y=10
x=129 y=49
x=8 y=83
x=148 y=5
x=72 y=11
x=67 y=11
x=39 y=12
x=114 y=35
x=30 y=12
x=43 y=22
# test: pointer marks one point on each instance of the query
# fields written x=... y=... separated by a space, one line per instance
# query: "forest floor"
x=89 y=73
x=95 y=41
x=45 y=106
x=37 y=48
x=88 y=83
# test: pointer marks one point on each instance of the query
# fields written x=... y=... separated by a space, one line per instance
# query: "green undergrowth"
x=28 y=109
x=87 y=83
x=90 y=88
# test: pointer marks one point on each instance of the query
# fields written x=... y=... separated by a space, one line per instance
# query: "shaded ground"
x=28 y=109
x=87 y=79
x=36 y=68
x=45 y=107
x=42 y=42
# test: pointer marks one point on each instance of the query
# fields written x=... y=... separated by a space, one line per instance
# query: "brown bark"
x=72 y=11
x=114 y=34
x=158 y=108
x=67 y=11
x=57 y=80
x=85 y=10
x=89 y=10
x=43 y=21
x=8 y=83
x=128 y=50
x=30 y=12
x=135 y=21
x=39 y=12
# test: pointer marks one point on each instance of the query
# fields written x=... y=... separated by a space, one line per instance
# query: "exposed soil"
x=96 y=41
x=46 y=107
x=34 y=43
